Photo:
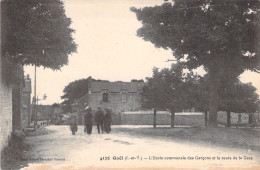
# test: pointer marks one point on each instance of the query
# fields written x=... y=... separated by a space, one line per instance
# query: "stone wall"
x=162 y=118
x=26 y=101
x=5 y=105
x=5 y=110
x=145 y=118
x=26 y=116
x=17 y=107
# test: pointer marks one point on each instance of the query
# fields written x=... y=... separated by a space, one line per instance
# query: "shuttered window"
x=105 y=97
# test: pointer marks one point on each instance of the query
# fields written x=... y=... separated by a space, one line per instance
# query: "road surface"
x=61 y=149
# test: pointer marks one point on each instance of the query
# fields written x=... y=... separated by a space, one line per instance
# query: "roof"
x=116 y=86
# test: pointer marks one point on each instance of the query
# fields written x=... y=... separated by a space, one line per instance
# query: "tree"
x=248 y=100
x=221 y=35
x=36 y=32
x=239 y=98
x=170 y=89
x=159 y=90
x=55 y=105
x=74 y=90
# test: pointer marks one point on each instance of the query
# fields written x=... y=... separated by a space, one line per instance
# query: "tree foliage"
x=170 y=89
x=239 y=97
x=208 y=31
x=75 y=90
x=36 y=31
x=221 y=35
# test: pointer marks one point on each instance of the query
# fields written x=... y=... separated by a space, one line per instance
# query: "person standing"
x=73 y=123
x=88 y=120
x=107 y=121
x=99 y=118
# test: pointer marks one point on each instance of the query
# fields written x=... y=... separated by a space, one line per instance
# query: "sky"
x=108 y=48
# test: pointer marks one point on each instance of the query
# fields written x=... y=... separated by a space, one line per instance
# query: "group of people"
x=103 y=121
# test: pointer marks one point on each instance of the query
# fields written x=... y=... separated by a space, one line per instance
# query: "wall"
x=145 y=118
x=5 y=109
x=162 y=118
x=182 y=118
x=5 y=114
x=222 y=118
x=26 y=116
x=5 y=105
x=26 y=101
x=115 y=103
x=17 y=107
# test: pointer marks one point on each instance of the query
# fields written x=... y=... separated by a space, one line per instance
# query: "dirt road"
x=60 y=149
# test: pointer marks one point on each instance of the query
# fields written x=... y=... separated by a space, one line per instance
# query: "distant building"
x=44 y=112
x=116 y=96
x=57 y=114
x=27 y=90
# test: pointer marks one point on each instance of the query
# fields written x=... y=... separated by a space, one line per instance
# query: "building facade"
x=57 y=114
x=5 y=109
x=27 y=109
x=115 y=96
x=17 y=98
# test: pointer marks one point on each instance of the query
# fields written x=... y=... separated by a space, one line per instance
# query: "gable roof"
x=116 y=86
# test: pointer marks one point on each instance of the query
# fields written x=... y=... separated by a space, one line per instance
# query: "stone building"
x=17 y=98
x=27 y=90
x=11 y=99
x=21 y=97
x=5 y=108
x=116 y=96
x=57 y=114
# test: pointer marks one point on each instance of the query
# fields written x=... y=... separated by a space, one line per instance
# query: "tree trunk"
x=239 y=119
x=154 y=118
x=213 y=100
x=206 y=118
x=250 y=118
x=228 y=119
x=172 y=118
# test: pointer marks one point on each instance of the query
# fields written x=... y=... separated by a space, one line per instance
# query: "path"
x=60 y=148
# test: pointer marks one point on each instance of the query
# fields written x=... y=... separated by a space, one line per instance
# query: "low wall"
x=145 y=118
x=5 y=110
x=162 y=118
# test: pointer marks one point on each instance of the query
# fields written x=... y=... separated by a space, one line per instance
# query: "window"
x=105 y=97
x=124 y=96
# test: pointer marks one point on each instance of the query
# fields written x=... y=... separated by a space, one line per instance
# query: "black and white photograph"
x=129 y=84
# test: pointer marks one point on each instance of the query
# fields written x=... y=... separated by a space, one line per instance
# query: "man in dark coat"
x=88 y=120
x=99 y=118
x=107 y=121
